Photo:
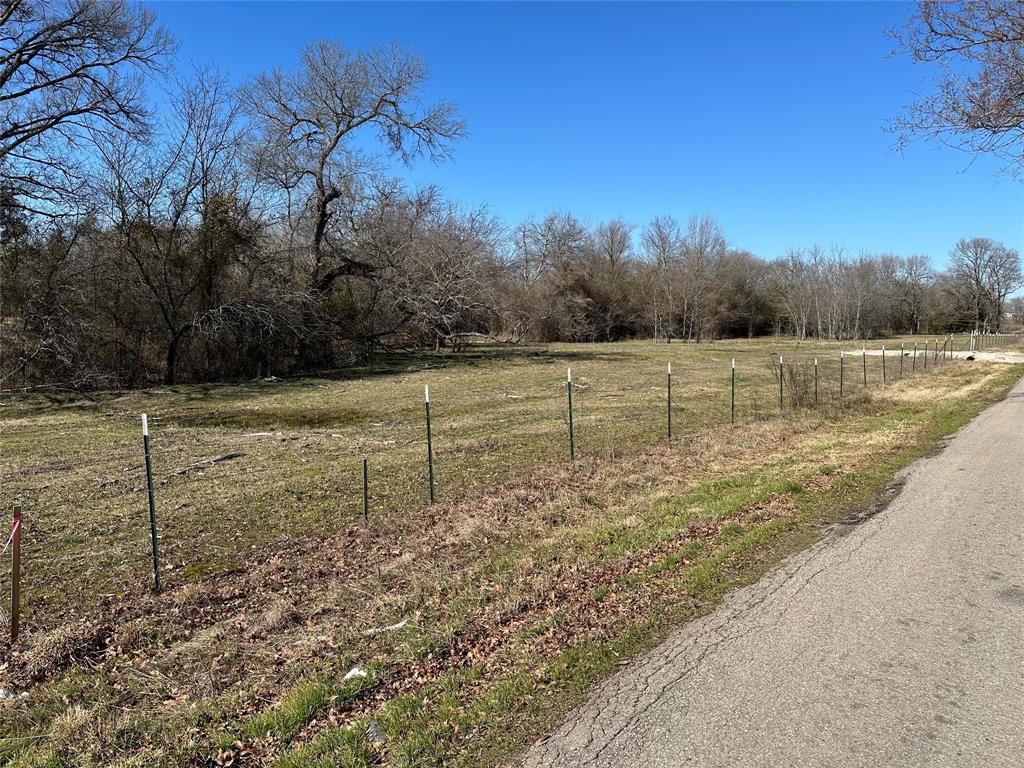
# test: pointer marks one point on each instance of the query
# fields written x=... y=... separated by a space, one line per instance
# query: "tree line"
x=255 y=230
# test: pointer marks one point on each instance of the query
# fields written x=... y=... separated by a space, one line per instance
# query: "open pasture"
x=292 y=632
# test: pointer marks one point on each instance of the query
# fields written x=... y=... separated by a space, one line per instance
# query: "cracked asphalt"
x=897 y=641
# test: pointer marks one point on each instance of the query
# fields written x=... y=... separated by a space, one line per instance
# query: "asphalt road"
x=898 y=641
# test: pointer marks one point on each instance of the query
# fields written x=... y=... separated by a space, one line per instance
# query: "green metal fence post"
x=884 y=376
x=430 y=442
x=842 y=360
x=815 y=381
x=864 y=358
x=903 y=351
x=732 y=401
x=366 y=489
x=152 y=503
x=782 y=406
x=670 y=401
x=572 y=437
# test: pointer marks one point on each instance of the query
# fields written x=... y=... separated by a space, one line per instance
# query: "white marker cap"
x=670 y=368
x=145 y=425
x=568 y=374
x=426 y=393
x=815 y=361
x=734 y=363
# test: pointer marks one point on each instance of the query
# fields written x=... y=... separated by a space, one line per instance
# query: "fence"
x=980 y=341
x=187 y=529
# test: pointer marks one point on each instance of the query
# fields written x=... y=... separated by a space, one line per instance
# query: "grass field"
x=530 y=577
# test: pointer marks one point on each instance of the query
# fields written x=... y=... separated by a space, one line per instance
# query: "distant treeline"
x=248 y=234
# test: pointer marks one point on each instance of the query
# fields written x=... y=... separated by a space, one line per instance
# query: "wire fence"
x=977 y=341
x=98 y=516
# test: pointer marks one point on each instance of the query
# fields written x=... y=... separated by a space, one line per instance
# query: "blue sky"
x=768 y=116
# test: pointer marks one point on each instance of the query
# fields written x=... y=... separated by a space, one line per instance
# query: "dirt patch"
x=878 y=504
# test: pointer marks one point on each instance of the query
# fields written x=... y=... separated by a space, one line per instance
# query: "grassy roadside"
x=767 y=518
x=76 y=461
x=515 y=598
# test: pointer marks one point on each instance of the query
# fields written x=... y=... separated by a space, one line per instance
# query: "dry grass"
x=501 y=579
x=60 y=647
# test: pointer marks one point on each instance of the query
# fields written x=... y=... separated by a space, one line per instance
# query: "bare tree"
x=69 y=70
x=177 y=213
x=613 y=241
x=796 y=285
x=1015 y=308
x=307 y=119
x=830 y=300
x=661 y=241
x=551 y=262
x=970 y=267
x=913 y=278
x=978 y=99
x=1003 y=278
x=445 y=282
x=746 y=304
x=703 y=245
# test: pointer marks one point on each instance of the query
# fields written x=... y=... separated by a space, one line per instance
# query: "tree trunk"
x=172 y=360
x=172 y=356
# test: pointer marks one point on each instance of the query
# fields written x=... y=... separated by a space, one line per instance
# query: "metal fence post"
x=670 y=401
x=732 y=402
x=903 y=351
x=572 y=438
x=782 y=406
x=366 y=489
x=152 y=503
x=815 y=381
x=15 y=572
x=842 y=359
x=430 y=442
x=884 y=377
x=864 y=358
